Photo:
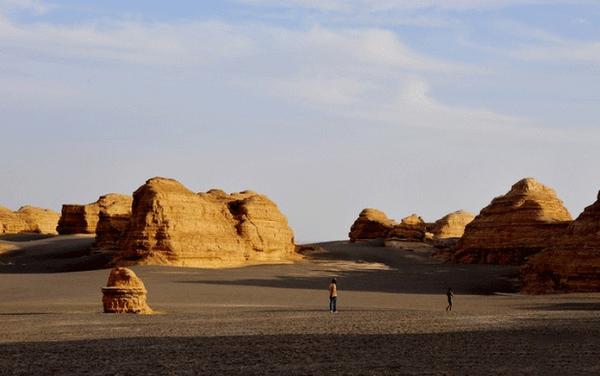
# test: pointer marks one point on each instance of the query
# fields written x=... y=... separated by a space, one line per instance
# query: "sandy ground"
x=273 y=320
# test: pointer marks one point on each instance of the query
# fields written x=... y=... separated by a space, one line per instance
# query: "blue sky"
x=327 y=106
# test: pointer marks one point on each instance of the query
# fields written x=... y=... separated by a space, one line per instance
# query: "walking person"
x=333 y=296
x=450 y=295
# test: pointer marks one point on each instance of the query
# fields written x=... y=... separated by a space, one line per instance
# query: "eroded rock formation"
x=513 y=226
x=371 y=224
x=411 y=228
x=173 y=226
x=124 y=293
x=452 y=225
x=28 y=219
x=572 y=262
x=83 y=219
x=113 y=219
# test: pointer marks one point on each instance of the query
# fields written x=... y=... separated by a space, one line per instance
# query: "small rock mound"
x=514 y=226
x=452 y=225
x=124 y=293
x=411 y=228
x=572 y=262
x=371 y=224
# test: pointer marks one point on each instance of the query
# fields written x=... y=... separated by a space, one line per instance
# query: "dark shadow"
x=66 y=254
x=24 y=313
x=567 y=307
x=526 y=351
x=25 y=237
x=411 y=272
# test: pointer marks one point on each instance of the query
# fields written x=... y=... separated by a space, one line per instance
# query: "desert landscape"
x=269 y=315
x=299 y=187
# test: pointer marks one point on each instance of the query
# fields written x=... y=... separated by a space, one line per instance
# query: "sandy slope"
x=274 y=319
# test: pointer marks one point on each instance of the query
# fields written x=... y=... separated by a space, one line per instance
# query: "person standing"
x=450 y=295
x=333 y=296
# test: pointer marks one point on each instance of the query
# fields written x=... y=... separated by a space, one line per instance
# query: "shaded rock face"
x=572 y=262
x=371 y=224
x=124 y=293
x=28 y=219
x=171 y=225
x=452 y=225
x=411 y=228
x=83 y=219
x=113 y=220
x=513 y=226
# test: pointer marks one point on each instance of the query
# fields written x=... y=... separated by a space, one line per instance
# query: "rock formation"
x=173 y=226
x=452 y=225
x=113 y=220
x=28 y=219
x=371 y=224
x=83 y=219
x=124 y=293
x=572 y=262
x=411 y=228
x=513 y=226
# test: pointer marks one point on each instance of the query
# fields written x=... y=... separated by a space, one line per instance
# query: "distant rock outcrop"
x=411 y=228
x=124 y=293
x=171 y=225
x=572 y=262
x=371 y=224
x=113 y=220
x=83 y=219
x=513 y=226
x=28 y=219
x=452 y=225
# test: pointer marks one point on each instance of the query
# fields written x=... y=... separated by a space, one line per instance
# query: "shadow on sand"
x=526 y=351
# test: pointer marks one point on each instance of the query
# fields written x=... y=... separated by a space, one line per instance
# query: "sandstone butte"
x=411 y=228
x=371 y=224
x=28 y=219
x=171 y=225
x=514 y=226
x=113 y=219
x=83 y=219
x=124 y=293
x=452 y=225
x=572 y=262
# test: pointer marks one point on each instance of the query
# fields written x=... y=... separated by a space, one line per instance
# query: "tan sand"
x=273 y=319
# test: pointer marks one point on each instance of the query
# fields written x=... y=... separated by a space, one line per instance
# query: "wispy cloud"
x=34 y=6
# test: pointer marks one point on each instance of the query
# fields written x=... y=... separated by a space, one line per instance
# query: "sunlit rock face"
x=28 y=219
x=452 y=225
x=371 y=224
x=83 y=219
x=171 y=225
x=514 y=226
x=572 y=262
x=411 y=228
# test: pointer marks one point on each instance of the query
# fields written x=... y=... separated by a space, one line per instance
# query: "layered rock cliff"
x=514 y=226
x=113 y=219
x=371 y=224
x=572 y=262
x=172 y=225
x=28 y=219
x=83 y=219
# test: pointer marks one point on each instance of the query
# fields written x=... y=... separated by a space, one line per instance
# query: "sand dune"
x=273 y=319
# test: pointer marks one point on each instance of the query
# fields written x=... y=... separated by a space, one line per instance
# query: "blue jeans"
x=332 y=303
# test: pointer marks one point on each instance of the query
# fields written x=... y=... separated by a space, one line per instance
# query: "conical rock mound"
x=514 y=226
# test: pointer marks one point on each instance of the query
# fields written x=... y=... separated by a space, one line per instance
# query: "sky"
x=325 y=106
